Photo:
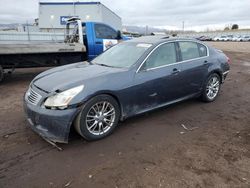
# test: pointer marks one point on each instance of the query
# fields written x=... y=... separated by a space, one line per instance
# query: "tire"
x=92 y=123
x=1 y=73
x=211 y=88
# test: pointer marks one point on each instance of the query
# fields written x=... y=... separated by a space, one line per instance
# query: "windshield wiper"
x=89 y=62
x=105 y=65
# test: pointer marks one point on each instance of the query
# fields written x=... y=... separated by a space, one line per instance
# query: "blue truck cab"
x=97 y=37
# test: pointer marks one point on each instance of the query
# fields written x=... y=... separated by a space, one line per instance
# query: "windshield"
x=123 y=55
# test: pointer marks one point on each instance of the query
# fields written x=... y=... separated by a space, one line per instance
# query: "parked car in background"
x=230 y=37
x=224 y=38
x=245 y=38
x=236 y=38
x=130 y=78
x=204 y=38
x=221 y=38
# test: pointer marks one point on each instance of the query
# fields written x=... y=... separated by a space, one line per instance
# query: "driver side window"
x=163 y=55
x=104 y=32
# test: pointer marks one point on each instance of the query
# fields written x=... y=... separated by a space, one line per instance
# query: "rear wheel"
x=98 y=118
x=1 y=73
x=211 y=88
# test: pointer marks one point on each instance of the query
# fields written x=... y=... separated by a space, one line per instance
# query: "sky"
x=196 y=14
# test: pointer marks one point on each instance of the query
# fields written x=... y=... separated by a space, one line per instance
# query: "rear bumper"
x=224 y=75
x=53 y=125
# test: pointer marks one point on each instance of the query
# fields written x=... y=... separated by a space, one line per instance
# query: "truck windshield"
x=123 y=55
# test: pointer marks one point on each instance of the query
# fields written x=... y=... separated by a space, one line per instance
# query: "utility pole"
x=28 y=30
x=183 y=26
x=146 y=30
x=74 y=8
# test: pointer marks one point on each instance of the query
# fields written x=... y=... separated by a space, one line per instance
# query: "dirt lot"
x=243 y=47
x=152 y=150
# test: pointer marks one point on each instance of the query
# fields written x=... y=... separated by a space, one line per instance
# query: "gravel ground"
x=151 y=150
x=232 y=46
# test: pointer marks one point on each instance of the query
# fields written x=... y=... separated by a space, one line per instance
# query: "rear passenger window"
x=189 y=50
x=202 y=50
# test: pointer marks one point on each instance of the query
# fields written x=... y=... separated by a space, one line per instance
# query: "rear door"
x=195 y=62
x=105 y=37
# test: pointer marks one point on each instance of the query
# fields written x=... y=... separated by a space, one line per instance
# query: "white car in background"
x=221 y=38
x=245 y=38
x=230 y=37
x=236 y=38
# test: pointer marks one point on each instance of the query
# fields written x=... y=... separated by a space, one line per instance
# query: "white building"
x=53 y=15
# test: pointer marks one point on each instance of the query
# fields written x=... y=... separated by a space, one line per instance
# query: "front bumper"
x=53 y=125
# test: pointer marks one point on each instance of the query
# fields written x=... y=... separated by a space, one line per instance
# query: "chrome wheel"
x=213 y=87
x=100 y=118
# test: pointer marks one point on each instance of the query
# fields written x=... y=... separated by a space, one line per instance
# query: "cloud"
x=13 y=11
x=161 y=13
x=195 y=13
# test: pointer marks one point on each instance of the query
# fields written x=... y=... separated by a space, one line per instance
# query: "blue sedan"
x=130 y=78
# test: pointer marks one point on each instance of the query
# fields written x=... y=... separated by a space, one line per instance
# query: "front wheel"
x=211 y=88
x=99 y=117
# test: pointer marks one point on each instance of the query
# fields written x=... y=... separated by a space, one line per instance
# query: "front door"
x=157 y=81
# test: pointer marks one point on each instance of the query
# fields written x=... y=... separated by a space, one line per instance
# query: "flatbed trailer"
x=40 y=54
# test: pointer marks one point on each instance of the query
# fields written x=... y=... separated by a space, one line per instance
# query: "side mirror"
x=119 y=35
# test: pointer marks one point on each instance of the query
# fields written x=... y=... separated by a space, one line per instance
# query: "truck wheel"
x=98 y=118
x=1 y=73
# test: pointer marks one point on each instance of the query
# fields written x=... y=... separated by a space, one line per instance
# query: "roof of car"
x=158 y=39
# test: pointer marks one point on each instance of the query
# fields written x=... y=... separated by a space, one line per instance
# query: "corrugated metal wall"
x=52 y=15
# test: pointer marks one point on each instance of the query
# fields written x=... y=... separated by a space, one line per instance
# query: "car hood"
x=66 y=77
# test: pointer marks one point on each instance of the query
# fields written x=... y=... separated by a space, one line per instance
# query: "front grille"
x=33 y=97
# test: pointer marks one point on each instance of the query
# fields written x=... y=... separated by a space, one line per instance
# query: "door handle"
x=176 y=71
x=98 y=42
x=205 y=62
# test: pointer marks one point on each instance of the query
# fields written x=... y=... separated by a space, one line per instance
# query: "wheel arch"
x=117 y=100
x=110 y=93
x=216 y=71
x=75 y=124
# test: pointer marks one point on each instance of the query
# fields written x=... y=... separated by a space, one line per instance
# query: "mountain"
x=141 y=29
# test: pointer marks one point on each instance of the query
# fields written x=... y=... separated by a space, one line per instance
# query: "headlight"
x=61 y=100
